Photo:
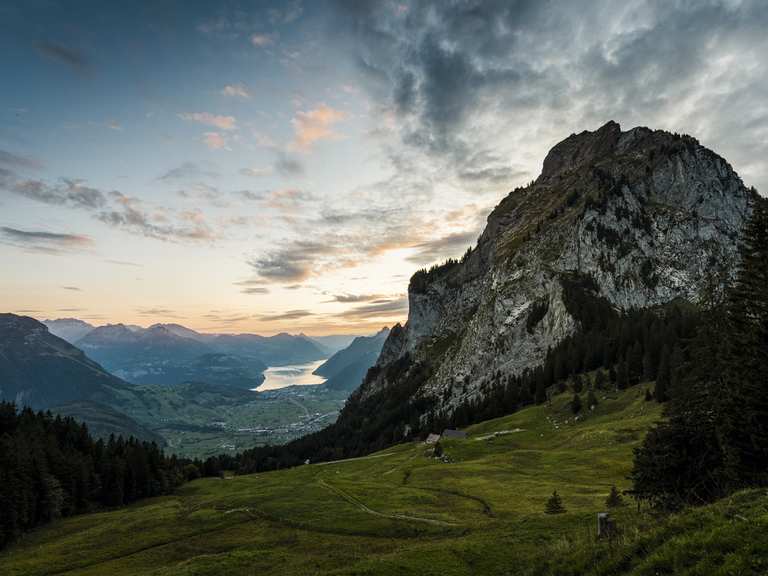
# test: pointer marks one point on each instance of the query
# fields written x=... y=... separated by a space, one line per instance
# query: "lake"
x=276 y=377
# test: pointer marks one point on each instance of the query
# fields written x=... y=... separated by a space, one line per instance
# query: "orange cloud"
x=214 y=140
x=315 y=125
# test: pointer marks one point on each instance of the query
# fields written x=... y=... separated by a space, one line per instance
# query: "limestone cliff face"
x=650 y=216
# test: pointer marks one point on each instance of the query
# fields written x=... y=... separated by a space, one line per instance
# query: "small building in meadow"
x=432 y=439
x=449 y=433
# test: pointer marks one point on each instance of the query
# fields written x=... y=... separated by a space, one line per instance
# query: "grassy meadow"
x=479 y=510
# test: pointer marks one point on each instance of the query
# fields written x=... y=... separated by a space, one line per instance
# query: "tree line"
x=714 y=439
x=51 y=467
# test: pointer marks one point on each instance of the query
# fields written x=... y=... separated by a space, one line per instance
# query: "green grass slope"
x=402 y=512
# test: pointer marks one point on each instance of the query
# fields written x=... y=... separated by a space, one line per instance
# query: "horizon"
x=287 y=166
x=146 y=326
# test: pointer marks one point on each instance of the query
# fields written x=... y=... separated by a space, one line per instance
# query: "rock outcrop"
x=649 y=216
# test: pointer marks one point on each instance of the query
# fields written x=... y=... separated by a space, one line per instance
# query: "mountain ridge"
x=644 y=216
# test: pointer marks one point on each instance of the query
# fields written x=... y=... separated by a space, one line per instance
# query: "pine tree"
x=600 y=380
x=623 y=378
x=648 y=395
x=635 y=363
x=578 y=383
x=614 y=499
x=576 y=404
x=591 y=399
x=554 y=504
x=745 y=409
x=661 y=391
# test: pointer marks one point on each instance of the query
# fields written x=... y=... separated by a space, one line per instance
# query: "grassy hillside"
x=403 y=512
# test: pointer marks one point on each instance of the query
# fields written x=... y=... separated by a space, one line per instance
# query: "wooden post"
x=603 y=524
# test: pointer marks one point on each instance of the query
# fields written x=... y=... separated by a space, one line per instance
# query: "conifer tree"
x=614 y=499
x=661 y=391
x=600 y=380
x=554 y=504
x=578 y=383
x=745 y=407
x=576 y=404
x=591 y=399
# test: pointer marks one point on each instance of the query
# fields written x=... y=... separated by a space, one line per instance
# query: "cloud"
x=164 y=312
x=65 y=192
x=44 y=241
x=220 y=122
x=253 y=286
x=289 y=200
x=450 y=246
x=236 y=91
x=72 y=288
x=65 y=55
x=292 y=263
x=262 y=40
x=189 y=171
x=288 y=166
x=290 y=12
x=354 y=298
x=250 y=195
x=385 y=309
x=475 y=84
x=13 y=161
x=214 y=140
x=255 y=172
x=130 y=214
x=123 y=263
x=289 y=315
x=203 y=191
x=315 y=125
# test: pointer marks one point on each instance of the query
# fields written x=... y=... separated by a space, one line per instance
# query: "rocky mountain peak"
x=580 y=149
x=646 y=216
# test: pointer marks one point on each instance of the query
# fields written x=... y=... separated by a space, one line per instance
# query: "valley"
x=197 y=395
x=199 y=420
x=384 y=288
x=477 y=510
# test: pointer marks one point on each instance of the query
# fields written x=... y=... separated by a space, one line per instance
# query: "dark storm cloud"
x=64 y=54
x=466 y=76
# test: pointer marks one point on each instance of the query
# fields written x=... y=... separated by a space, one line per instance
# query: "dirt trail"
x=354 y=501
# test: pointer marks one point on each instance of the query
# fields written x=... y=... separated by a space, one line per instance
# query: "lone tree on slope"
x=554 y=504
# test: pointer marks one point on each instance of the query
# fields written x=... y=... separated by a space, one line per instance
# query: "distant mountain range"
x=346 y=369
x=69 y=329
x=172 y=353
x=202 y=394
x=333 y=343
x=40 y=370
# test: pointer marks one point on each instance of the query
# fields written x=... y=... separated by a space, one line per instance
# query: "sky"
x=286 y=166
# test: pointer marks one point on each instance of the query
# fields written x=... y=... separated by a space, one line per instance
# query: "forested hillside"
x=51 y=467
